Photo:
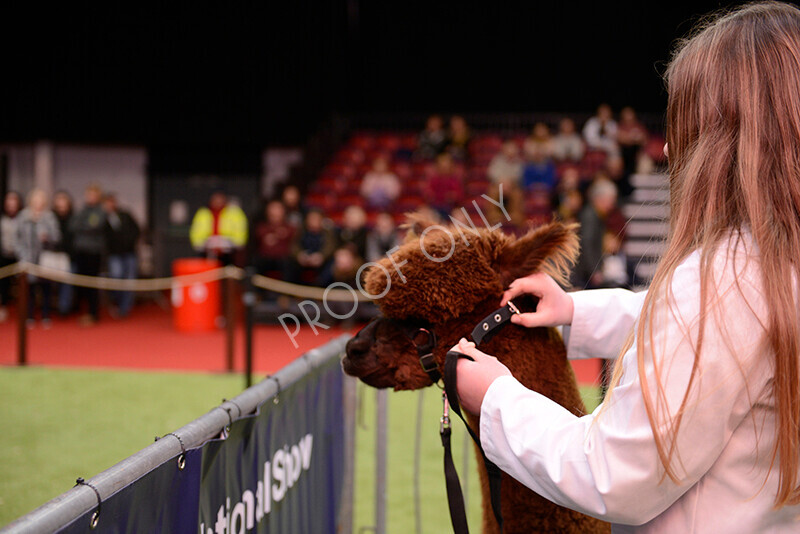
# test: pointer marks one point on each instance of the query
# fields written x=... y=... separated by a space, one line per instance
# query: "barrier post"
x=381 y=441
x=230 y=322
x=345 y=525
x=22 y=315
x=249 y=300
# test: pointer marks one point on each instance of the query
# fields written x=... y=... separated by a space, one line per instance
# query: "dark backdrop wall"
x=249 y=74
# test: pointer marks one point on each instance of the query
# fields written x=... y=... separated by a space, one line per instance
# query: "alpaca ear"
x=417 y=222
x=552 y=249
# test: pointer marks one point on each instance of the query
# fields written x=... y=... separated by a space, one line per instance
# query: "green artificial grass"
x=60 y=424
x=402 y=429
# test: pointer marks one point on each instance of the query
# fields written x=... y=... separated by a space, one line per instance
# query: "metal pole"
x=345 y=525
x=381 y=414
x=417 y=455
x=249 y=300
x=22 y=315
x=230 y=323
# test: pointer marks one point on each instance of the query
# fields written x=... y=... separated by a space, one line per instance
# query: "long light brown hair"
x=733 y=134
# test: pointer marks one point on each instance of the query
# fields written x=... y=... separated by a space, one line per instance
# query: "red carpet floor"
x=148 y=340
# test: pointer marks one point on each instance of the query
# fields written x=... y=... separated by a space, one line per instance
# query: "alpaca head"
x=445 y=280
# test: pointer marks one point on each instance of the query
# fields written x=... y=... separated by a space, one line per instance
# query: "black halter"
x=425 y=340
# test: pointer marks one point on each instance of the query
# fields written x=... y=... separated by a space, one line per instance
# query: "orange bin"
x=197 y=305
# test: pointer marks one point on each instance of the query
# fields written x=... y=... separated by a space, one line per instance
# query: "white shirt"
x=606 y=464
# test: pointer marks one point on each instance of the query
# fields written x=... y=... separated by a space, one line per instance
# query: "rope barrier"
x=118 y=284
x=159 y=284
x=10 y=270
x=308 y=292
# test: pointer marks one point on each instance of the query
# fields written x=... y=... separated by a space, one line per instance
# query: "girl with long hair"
x=700 y=431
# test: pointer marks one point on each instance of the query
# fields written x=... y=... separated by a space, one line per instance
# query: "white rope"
x=308 y=292
x=159 y=284
x=117 y=284
x=10 y=270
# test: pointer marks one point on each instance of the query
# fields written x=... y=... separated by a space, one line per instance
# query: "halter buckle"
x=444 y=422
x=513 y=308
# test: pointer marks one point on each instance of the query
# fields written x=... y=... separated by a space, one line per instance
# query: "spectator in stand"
x=570 y=207
x=513 y=201
x=88 y=229
x=380 y=186
x=12 y=204
x=312 y=250
x=273 y=236
x=433 y=139
x=37 y=232
x=615 y=263
x=568 y=199
x=538 y=145
x=445 y=188
x=600 y=131
x=345 y=268
x=63 y=210
x=290 y=196
x=506 y=166
x=459 y=137
x=632 y=137
x=567 y=143
x=354 y=231
x=539 y=172
x=382 y=238
x=219 y=230
x=602 y=201
x=123 y=263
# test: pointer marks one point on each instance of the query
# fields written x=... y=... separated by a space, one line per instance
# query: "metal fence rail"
x=81 y=499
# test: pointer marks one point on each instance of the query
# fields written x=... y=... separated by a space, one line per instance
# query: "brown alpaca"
x=450 y=296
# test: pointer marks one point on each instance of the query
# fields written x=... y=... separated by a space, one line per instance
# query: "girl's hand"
x=555 y=307
x=474 y=378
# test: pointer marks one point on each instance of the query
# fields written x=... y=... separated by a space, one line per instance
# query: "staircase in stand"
x=647 y=211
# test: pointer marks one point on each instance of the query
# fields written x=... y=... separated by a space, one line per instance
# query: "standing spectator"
x=37 y=231
x=273 y=237
x=632 y=137
x=380 y=186
x=88 y=229
x=62 y=208
x=567 y=143
x=312 y=250
x=602 y=200
x=506 y=165
x=219 y=230
x=600 y=131
x=12 y=204
x=433 y=139
x=290 y=196
x=458 y=138
x=123 y=235
x=382 y=238
x=538 y=145
x=445 y=189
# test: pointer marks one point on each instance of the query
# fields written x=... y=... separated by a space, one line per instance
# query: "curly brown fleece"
x=449 y=280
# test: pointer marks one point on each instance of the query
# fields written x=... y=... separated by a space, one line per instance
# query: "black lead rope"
x=484 y=331
x=458 y=514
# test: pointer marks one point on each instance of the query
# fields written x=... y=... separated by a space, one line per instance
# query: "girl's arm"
x=606 y=464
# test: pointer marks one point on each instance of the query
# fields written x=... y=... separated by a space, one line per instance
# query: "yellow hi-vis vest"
x=232 y=225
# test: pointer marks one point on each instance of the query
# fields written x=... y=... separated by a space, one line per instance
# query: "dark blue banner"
x=279 y=470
